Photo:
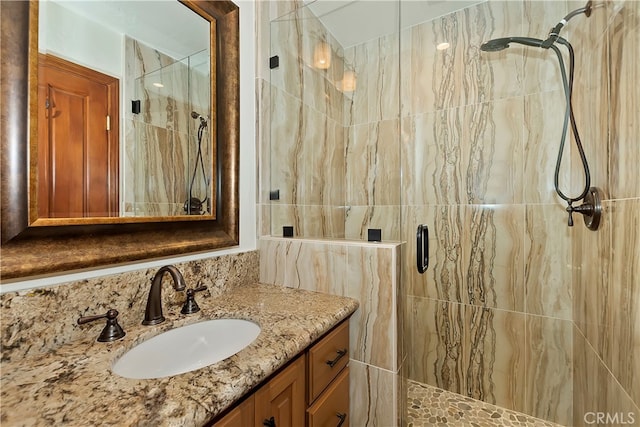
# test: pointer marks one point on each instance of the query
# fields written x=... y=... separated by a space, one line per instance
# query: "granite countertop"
x=74 y=385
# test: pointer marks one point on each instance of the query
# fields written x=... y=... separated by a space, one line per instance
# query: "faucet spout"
x=153 y=313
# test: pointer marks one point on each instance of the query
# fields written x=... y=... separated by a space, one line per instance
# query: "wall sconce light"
x=322 y=55
x=348 y=83
x=443 y=46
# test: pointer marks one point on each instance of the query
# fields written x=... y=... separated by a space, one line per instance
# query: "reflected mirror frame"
x=29 y=249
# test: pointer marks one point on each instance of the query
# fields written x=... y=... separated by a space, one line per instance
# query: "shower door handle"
x=422 y=248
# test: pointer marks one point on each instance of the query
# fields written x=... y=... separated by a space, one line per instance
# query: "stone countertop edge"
x=74 y=385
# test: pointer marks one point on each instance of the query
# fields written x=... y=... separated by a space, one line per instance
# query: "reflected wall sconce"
x=348 y=83
x=322 y=55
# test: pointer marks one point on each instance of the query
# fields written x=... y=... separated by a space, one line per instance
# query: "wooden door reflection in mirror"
x=78 y=138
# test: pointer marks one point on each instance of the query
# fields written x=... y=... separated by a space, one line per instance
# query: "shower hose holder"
x=591 y=209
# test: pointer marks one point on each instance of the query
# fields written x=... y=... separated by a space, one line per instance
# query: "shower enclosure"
x=168 y=158
x=388 y=115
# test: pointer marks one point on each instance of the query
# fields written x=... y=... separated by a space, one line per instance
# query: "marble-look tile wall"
x=41 y=320
x=370 y=274
x=372 y=154
x=304 y=156
x=160 y=143
x=606 y=264
x=491 y=317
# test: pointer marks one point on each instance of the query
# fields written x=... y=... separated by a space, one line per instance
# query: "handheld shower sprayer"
x=203 y=120
x=194 y=205
x=591 y=208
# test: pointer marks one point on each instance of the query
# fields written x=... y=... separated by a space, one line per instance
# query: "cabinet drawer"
x=332 y=408
x=326 y=359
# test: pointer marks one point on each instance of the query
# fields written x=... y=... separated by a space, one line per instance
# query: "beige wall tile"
x=437 y=355
x=316 y=267
x=474 y=351
x=356 y=106
x=432 y=158
x=368 y=273
x=543 y=121
x=549 y=365
x=358 y=219
x=287 y=147
x=383 y=75
x=622 y=341
x=493 y=253
x=496 y=357
x=597 y=391
x=548 y=269
x=476 y=255
x=327 y=221
x=287 y=215
x=541 y=70
x=492 y=149
x=371 y=390
x=487 y=76
x=273 y=260
x=373 y=164
x=624 y=150
x=434 y=77
x=370 y=279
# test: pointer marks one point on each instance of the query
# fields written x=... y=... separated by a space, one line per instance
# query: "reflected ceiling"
x=168 y=24
x=375 y=18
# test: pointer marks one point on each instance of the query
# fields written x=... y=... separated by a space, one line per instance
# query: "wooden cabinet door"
x=281 y=401
x=242 y=415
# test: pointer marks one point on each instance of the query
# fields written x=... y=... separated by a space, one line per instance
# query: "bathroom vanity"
x=312 y=390
x=74 y=385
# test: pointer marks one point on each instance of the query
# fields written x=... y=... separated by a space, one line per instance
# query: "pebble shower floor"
x=432 y=407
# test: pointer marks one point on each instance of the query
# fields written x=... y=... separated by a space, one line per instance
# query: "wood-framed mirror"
x=34 y=246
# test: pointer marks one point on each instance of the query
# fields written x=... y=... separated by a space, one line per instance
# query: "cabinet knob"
x=342 y=418
x=271 y=422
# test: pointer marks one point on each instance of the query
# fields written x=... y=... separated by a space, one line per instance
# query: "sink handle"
x=269 y=422
x=112 y=330
x=190 y=305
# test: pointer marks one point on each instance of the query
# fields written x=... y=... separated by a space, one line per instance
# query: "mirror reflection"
x=124 y=104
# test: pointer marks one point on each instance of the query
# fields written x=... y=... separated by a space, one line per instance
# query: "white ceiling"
x=166 y=25
x=353 y=22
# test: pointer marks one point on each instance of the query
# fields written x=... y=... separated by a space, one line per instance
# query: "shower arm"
x=554 y=33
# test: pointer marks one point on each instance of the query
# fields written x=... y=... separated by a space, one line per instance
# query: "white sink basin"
x=186 y=349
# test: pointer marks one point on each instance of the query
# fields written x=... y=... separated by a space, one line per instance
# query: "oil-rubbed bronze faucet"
x=153 y=313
